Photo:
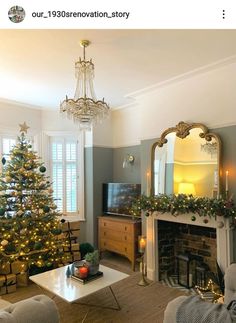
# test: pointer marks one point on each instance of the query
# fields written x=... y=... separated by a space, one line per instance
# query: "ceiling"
x=37 y=66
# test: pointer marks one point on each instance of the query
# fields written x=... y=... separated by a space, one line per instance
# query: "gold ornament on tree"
x=4 y=243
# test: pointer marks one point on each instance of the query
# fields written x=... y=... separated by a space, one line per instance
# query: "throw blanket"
x=195 y=310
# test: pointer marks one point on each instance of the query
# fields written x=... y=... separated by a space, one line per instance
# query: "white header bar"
x=122 y=14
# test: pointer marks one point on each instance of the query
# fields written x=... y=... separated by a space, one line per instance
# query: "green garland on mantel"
x=184 y=204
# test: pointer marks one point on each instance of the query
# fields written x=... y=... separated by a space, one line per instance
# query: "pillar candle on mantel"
x=227 y=181
x=148 y=183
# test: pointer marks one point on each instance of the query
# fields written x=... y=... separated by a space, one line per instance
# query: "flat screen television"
x=119 y=197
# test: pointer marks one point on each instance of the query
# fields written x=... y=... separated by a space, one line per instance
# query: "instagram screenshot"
x=117 y=161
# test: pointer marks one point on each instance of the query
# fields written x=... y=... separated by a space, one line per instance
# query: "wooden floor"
x=138 y=304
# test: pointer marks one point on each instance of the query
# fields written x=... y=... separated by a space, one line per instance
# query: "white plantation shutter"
x=64 y=171
x=71 y=177
x=7 y=145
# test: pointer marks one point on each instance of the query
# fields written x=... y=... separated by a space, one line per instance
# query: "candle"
x=148 y=183
x=83 y=272
x=226 y=181
x=142 y=244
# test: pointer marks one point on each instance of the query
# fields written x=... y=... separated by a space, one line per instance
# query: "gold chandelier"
x=84 y=109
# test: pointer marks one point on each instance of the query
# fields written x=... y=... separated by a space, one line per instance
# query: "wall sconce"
x=141 y=249
x=187 y=188
x=128 y=161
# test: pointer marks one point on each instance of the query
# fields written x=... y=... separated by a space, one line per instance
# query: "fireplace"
x=218 y=229
x=175 y=239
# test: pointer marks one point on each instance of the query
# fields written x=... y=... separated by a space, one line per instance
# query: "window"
x=6 y=144
x=65 y=173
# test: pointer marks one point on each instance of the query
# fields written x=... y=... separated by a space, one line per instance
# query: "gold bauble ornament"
x=23 y=231
x=4 y=243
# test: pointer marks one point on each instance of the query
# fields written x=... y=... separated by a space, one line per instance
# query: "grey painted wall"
x=132 y=173
x=146 y=165
x=89 y=191
x=98 y=170
x=103 y=173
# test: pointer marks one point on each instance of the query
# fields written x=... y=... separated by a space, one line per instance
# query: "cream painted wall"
x=208 y=98
x=127 y=124
x=54 y=121
x=102 y=133
x=13 y=115
x=100 y=136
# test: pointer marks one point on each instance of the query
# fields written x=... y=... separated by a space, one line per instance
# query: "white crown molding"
x=125 y=106
x=25 y=105
x=179 y=78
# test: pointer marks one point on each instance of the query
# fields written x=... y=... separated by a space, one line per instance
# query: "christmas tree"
x=29 y=226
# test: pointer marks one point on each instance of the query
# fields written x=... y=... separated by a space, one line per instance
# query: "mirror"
x=186 y=159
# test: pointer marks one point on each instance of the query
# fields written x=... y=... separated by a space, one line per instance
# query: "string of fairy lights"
x=209 y=287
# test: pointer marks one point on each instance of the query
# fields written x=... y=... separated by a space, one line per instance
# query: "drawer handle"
x=125 y=249
x=104 y=243
x=125 y=228
x=104 y=233
x=104 y=224
x=125 y=238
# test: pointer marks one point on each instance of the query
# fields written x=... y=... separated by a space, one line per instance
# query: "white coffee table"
x=70 y=290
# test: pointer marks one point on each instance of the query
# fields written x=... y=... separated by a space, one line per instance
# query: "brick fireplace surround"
x=178 y=238
x=223 y=247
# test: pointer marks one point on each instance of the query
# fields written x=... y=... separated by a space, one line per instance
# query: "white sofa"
x=230 y=294
x=37 y=309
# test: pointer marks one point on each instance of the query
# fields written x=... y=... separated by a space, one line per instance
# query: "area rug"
x=138 y=304
x=172 y=281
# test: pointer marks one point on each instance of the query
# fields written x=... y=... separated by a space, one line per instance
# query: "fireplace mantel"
x=224 y=236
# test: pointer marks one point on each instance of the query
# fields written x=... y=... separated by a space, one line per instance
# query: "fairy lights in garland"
x=184 y=204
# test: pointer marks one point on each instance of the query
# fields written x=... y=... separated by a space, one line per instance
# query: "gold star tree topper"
x=23 y=127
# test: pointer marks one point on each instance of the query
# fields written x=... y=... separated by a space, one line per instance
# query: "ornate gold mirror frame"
x=182 y=130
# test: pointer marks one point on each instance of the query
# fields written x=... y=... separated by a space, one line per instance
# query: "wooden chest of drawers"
x=120 y=235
